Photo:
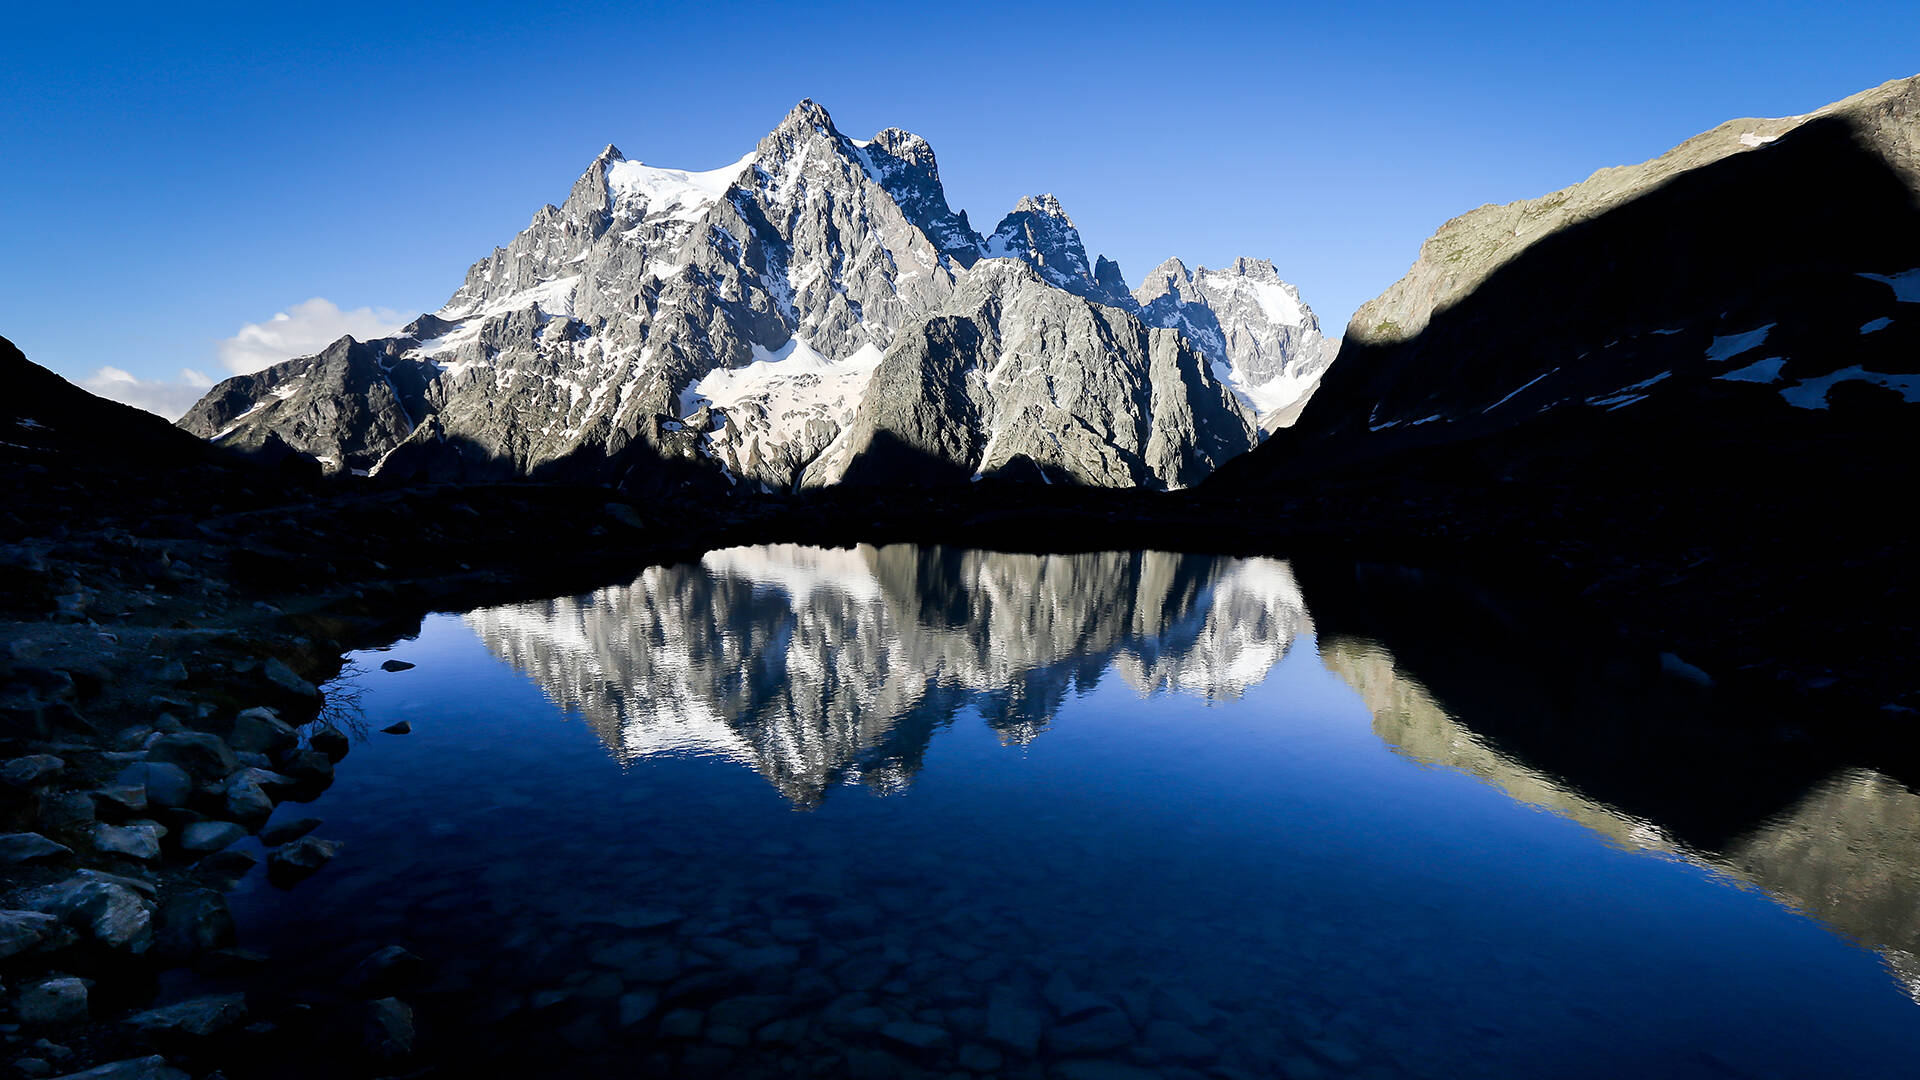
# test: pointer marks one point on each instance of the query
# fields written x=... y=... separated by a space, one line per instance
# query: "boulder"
x=260 y=730
x=246 y=800
x=281 y=677
x=59 y=1000
x=384 y=971
x=20 y=849
x=195 y=1018
x=154 y=1067
x=396 y=665
x=30 y=771
x=281 y=832
x=22 y=930
x=388 y=1030
x=140 y=840
x=195 y=921
x=202 y=837
x=121 y=799
x=289 y=865
x=204 y=756
x=329 y=740
x=165 y=783
x=401 y=728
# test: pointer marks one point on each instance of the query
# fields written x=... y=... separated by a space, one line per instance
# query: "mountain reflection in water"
x=817 y=667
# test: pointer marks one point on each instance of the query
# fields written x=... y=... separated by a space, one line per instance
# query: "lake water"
x=880 y=812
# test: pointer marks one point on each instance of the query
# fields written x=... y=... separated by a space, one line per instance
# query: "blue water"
x=1065 y=815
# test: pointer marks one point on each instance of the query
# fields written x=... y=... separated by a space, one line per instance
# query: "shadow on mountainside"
x=1710 y=512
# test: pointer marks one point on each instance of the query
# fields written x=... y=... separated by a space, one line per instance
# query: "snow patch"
x=1728 y=346
x=1877 y=324
x=1812 y=393
x=1905 y=286
x=786 y=388
x=1750 y=139
x=1760 y=371
x=673 y=194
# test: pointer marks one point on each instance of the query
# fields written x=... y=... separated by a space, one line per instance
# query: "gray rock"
x=260 y=730
x=195 y=1018
x=638 y=1004
x=207 y=836
x=247 y=801
x=918 y=1038
x=165 y=783
x=59 y=1000
x=146 y=1068
x=20 y=849
x=202 y=755
x=281 y=832
x=980 y=1059
x=276 y=672
x=388 y=1031
x=121 y=799
x=1096 y=1069
x=114 y=915
x=681 y=1024
x=66 y=810
x=195 y=921
x=135 y=841
x=386 y=970
x=1013 y=1025
x=31 y=771
x=295 y=862
x=329 y=740
x=22 y=930
x=1093 y=1033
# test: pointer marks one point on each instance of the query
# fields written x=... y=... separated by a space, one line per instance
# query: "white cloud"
x=302 y=330
x=167 y=397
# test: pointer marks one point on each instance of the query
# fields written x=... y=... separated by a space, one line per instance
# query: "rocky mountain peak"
x=1039 y=232
x=1043 y=204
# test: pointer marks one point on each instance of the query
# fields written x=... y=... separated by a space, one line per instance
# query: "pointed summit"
x=808 y=114
x=610 y=155
x=1040 y=232
x=1043 y=204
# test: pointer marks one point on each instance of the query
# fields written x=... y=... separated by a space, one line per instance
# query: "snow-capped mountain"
x=738 y=317
x=1263 y=340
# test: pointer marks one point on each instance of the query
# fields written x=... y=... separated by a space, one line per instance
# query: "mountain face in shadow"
x=817 y=666
x=1761 y=276
x=1692 y=380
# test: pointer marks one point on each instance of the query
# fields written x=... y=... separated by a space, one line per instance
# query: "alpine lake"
x=906 y=811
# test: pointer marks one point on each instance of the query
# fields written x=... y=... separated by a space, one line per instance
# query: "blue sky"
x=173 y=180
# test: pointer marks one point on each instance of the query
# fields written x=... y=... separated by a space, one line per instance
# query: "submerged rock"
x=209 y=836
x=285 y=831
x=396 y=665
x=289 y=865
